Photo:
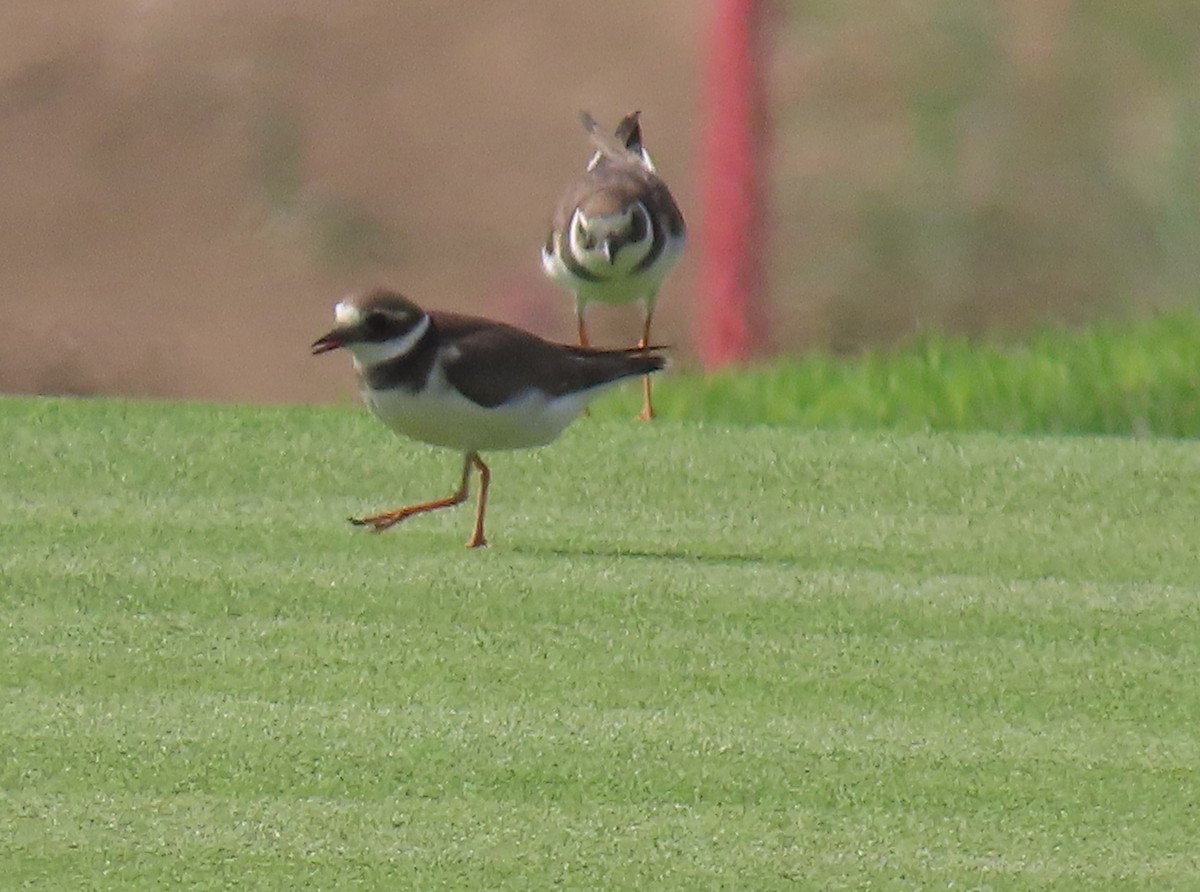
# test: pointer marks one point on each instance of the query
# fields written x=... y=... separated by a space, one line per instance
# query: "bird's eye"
x=375 y=323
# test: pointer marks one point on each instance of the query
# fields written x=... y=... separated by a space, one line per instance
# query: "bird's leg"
x=583 y=340
x=647 y=402
x=380 y=522
x=583 y=337
x=485 y=476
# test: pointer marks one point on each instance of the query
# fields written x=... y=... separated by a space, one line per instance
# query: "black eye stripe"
x=376 y=326
x=637 y=228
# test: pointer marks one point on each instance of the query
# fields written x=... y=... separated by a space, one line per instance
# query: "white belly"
x=441 y=416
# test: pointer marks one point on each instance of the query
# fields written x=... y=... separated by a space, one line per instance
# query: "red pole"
x=731 y=232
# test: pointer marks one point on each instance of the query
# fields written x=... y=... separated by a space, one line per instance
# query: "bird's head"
x=375 y=327
x=611 y=234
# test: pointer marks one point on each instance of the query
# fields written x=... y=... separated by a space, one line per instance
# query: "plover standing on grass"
x=469 y=384
x=616 y=232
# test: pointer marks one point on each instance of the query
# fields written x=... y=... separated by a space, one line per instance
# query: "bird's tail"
x=624 y=362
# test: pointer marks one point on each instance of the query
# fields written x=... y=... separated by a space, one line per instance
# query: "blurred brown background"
x=187 y=187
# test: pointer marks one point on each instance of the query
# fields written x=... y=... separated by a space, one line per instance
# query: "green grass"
x=695 y=657
x=1137 y=378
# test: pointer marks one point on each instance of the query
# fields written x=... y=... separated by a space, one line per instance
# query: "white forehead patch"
x=601 y=224
x=346 y=313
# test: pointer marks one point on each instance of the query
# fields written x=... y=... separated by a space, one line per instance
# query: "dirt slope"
x=185 y=188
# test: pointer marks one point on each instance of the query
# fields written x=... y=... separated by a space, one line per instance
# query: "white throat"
x=367 y=354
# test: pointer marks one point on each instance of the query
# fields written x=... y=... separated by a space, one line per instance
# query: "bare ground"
x=186 y=188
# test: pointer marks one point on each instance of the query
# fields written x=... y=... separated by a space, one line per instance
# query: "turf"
x=1135 y=377
x=695 y=657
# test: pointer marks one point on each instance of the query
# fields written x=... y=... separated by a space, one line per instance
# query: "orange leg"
x=647 y=402
x=485 y=477
x=583 y=339
x=380 y=522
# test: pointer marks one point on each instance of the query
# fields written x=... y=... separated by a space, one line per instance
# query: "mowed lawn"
x=695 y=657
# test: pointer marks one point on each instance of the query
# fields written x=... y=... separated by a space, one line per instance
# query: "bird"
x=616 y=231
x=468 y=383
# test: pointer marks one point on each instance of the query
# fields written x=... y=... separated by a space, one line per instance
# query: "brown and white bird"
x=616 y=232
x=468 y=383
